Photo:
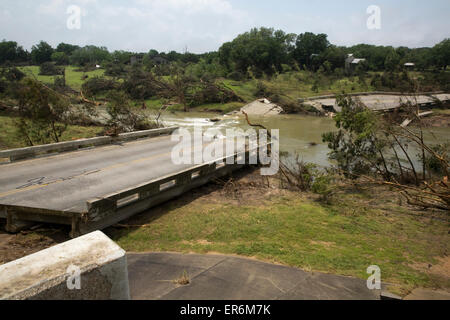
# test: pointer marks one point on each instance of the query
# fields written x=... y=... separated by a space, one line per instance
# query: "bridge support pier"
x=14 y=224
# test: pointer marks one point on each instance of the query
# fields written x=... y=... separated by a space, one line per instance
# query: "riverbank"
x=252 y=217
x=9 y=138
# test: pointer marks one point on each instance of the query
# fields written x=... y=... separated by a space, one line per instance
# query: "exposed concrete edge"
x=331 y=96
x=125 y=192
x=387 y=296
x=43 y=275
x=30 y=152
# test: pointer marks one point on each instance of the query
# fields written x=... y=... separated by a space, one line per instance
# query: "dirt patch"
x=13 y=247
x=323 y=244
x=437 y=121
x=441 y=269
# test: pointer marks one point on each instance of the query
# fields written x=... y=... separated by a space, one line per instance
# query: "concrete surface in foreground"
x=66 y=181
x=102 y=266
x=215 y=277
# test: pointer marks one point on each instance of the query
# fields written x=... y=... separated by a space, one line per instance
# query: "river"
x=299 y=134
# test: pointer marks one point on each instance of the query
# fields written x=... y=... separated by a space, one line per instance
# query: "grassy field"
x=10 y=140
x=74 y=79
x=292 y=85
x=288 y=228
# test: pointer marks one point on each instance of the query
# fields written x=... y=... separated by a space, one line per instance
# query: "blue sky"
x=203 y=25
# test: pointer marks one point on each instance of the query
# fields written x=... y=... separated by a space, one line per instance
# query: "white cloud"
x=203 y=25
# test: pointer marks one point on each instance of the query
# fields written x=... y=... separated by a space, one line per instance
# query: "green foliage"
x=308 y=47
x=50 y=69
x=41 y=53
x=60 y=58
x=68 y=49
x=140 y=85
x=355 y=146
x=441 y=54
x=432 y=163
x=392 y=61
x=391 y=81
x=98 y=85
x=10 y=51
x=122 y=118
x=115 y=69
x=89 y=55
x=43 y=113
x=264 y=50
x=207 y=92
x=11 y=74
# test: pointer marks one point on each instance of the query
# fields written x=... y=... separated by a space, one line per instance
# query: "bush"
x=50 y=69
x=115 y=70
x=323 y=186
x=13 y=74
x=432 y=163
x=98 y=85
x=236 y=76
x=209 y=92
x=121 y=116
x=140 y=85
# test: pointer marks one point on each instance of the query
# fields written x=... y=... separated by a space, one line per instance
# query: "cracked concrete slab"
x=217 y=277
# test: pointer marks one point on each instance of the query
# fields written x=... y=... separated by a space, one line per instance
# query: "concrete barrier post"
x=91 y=267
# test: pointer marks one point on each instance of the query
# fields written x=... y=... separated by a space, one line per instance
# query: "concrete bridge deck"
x=381 y=102
x=96 y=188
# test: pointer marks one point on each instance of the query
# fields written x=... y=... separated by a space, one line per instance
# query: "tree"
x=392 y=61
x=41 y=53
x=335 y=56
x=263 y=50
x=89 y=55
x=10 y=51
x=43 y=113
x=49 y=69
x=122 y=57
x=68 y=49
x=308 y=45
x=441 y=54
x=60 y=58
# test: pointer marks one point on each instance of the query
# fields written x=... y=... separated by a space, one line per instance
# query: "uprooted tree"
x=43 y=113
x=370 y=147
x=122 y=117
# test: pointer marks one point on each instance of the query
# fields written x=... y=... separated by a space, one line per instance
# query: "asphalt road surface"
x=66 y=181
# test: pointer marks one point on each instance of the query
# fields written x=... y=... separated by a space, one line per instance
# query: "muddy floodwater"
x=299 y=134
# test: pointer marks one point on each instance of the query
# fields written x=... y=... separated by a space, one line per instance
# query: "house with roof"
x=409 y=65
x=351 y=63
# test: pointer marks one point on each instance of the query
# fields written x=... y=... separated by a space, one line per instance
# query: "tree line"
x=257 y=52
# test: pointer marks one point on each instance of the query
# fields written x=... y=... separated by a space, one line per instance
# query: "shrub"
x=50 y=69
x=98 y=85
x=236 y=76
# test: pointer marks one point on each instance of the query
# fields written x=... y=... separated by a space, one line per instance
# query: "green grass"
x=344 y=238
x=73 y=78
x=9 y=139
x=296 y=85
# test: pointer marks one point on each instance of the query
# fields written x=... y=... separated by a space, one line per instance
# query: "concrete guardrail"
x=91 y=267
x=113 y=208
x=30 y=152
